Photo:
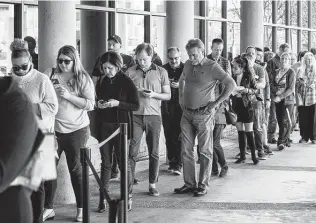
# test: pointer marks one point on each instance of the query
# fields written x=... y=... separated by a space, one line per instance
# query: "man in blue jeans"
x=153 y=86
x=198 y=102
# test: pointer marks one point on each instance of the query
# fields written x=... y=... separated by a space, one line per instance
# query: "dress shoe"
x=48 y=214
x=240 y=160
x=183 y=190
x=200 y=192
x=255 y=161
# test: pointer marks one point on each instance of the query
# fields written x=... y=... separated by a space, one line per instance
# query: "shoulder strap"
x=52 y=74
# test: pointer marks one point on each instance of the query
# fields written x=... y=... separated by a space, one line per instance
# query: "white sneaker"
x=48 y=214
x=79 y=215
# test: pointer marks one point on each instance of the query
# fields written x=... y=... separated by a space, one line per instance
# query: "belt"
x=197 y=109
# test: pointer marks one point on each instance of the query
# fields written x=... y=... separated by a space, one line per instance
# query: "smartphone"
x=146 y=91
x=55 y=81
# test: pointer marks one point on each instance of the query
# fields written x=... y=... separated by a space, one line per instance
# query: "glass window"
x=281 y=12
x=280 y=36
x=158 y=37
x=305 y=40
x=6 y=36
x=158 y=6
x=130 y=4
x=233 y=9
x=293 y=40
x=214 y=31
x=197 y=9
x=268 y=36
x=78 y=29
x=314 y=17
x=267 y=11
x=293 y=16
x=215 y=8
x=304 y=14
x=30 y=22
x=233 y=40
x=197 y=25
x=131 y=30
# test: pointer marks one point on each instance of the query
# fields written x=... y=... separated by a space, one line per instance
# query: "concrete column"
x=180 y=24
x=251 y=29
x=93 y=35
x=56 y=28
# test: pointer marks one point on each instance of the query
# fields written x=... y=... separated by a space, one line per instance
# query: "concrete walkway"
x=279 y=189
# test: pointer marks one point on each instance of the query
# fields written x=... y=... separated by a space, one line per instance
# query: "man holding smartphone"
x=153 y=86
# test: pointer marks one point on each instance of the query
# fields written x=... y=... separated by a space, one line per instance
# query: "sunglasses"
x=60 y=61
x=23 y=67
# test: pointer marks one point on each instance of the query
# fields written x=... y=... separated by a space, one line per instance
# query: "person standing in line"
x=220 y=118
x=197 y=100
x=282 y=92
x=42 y=94
x=117 y=98
x=153 y=87
x=32 y=45
x=76 y=96
x=306 y=92
x=272 y=66
x=172 y=112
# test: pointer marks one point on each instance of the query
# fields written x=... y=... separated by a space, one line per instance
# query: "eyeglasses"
x=60 y=61
x=23 y=67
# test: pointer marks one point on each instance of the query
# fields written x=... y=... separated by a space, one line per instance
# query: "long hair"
x=302 y=68
x=80 y=74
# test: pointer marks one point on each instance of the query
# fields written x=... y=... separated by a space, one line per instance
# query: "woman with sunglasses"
x=117 y=98
x=76 y=96
x=41 y=92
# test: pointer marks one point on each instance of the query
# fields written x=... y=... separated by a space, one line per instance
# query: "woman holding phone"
x=117 y=97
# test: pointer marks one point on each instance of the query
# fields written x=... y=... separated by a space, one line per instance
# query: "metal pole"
x=122 y=217
x=84 y=155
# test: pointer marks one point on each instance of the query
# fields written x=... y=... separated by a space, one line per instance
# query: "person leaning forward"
x=197 y=99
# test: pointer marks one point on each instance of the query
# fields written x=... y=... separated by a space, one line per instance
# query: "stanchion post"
x=84 y=155
x=123 y=206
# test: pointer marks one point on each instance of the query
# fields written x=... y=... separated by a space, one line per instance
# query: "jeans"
x=37 y=199
x=15 y=205
x=259 y=110
x=172 y=130
x=70 y=143
x=106 y=152
x=272 y=122
x=307 y=120
x=218 y=154
x=200 y=124
x=284 y=115
x=151 y=124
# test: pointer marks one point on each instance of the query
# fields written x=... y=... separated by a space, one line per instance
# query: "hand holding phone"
x=55 y=81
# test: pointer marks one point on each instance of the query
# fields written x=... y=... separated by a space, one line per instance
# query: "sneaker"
x=223 y=172
x=200 y=192
x=170 y=170
x=183 y=190
x=255 y=161
x=114 y=176
x=281 y=147
x=262 y=155
x=48 y=214
x=177 y=171
x=129 y=205
x=214 y=174
x=240 y=160
x=101 y=207
x=153 y=192
x=303 y=141
x=267 y=150
x=272 y=141
x=135 y=181
x=79 y=215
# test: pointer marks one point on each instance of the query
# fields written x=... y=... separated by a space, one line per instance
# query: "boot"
x=252 y=145
x=242 y=147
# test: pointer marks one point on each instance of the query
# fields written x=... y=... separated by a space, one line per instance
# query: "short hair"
x=147 y=47
x=259 y=49
x=283 y=46
x=301 y=54
x=195 y=43
x=19 y=48
x=173 y=48
x=31 y=40
x=313 y=51
x=217 y=41
x=112 y=57
x=268 y=54
x=266 y=49
x=251 y=47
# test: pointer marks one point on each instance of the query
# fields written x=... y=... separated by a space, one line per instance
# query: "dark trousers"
x=151 y=124
x=114 y=168
x=106 y=151
x=307 y=121
x=218 y=154
x=171 y=124
x=15 y=205
x=70 y=143
x=272 y=125
x=284 y=115
x=37 y=199
x=258 y=108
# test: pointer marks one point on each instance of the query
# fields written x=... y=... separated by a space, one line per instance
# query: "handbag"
x=231 y=116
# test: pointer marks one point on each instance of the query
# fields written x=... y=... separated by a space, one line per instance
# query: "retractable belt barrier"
x=117 y=207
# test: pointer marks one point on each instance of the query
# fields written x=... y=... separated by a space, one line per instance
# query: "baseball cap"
x=116 y=38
